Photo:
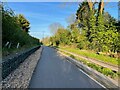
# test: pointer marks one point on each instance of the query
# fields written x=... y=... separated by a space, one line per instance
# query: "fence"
x=11 y=64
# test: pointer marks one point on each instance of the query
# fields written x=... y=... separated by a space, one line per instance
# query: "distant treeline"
x=15 y=30
x=93 y=29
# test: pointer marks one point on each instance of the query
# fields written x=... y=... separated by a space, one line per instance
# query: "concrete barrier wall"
x=10 y=64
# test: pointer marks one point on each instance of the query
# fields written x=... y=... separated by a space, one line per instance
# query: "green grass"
x=106 y=71
x=93 y=55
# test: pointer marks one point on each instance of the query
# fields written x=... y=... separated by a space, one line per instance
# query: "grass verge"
x=106 y=71
x=93 y=55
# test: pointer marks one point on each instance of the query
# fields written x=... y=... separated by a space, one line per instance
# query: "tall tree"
x=101 y=7
x=24 y=23
x=90 y=3
x=86 y=16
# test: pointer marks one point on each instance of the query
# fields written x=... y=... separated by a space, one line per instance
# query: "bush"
x=12 y=32
x=72 y=56
x=80 y=45
x=105 y=71
x=57 y=43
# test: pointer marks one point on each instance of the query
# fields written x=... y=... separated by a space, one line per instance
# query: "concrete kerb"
x=107 y=82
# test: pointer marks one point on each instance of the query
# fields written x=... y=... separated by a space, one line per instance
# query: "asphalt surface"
x=54 y=71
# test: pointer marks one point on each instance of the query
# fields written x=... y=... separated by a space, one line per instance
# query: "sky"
x=42 y=14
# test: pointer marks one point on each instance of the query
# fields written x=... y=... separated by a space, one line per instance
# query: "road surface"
x=54 y=71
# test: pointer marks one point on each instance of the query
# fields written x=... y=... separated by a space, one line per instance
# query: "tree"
x=24 y=23
x=86 y=17
x=75 y=32
x=54 y=27
x=93 y=29
x=71 y=19
x=82 y=13
x=63 y=36
x=90 y=3
x=12 y=31
x=101 y=7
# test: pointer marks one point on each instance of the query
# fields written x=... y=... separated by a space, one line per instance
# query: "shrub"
x=80 y=45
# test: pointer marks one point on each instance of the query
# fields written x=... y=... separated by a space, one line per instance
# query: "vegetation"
x=93 y=55
x=15 y=32
x=24 y=23
x=106 y=71
x=94 y=34
x=94 y=29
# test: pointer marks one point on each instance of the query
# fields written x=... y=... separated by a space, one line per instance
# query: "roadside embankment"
x=96 y=61
x=20 y=77
x=106 y=81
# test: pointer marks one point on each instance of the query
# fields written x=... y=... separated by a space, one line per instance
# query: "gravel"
x=21 y=77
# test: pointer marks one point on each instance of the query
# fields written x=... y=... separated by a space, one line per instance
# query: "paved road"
x=54 y=71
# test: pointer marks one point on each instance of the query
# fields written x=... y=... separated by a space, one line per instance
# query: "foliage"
x=24 y=23
x=93 y=29
x=93 y=55
x=12 y=32
x=61 y=36
x=81 y=45
x=103 y=70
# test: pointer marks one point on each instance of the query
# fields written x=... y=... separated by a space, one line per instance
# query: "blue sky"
x=42 y=14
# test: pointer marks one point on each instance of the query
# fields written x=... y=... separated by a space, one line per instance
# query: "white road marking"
x=86 y=74
x=92 y=78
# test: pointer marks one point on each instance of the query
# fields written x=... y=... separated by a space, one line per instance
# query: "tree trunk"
x=101 y=7
x=90 y=3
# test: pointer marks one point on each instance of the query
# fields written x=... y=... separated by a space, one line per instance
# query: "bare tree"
x=54 y=27
x=71 y=19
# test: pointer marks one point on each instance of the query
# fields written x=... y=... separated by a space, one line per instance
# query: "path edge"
x=16 y=78
x=102 y=79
